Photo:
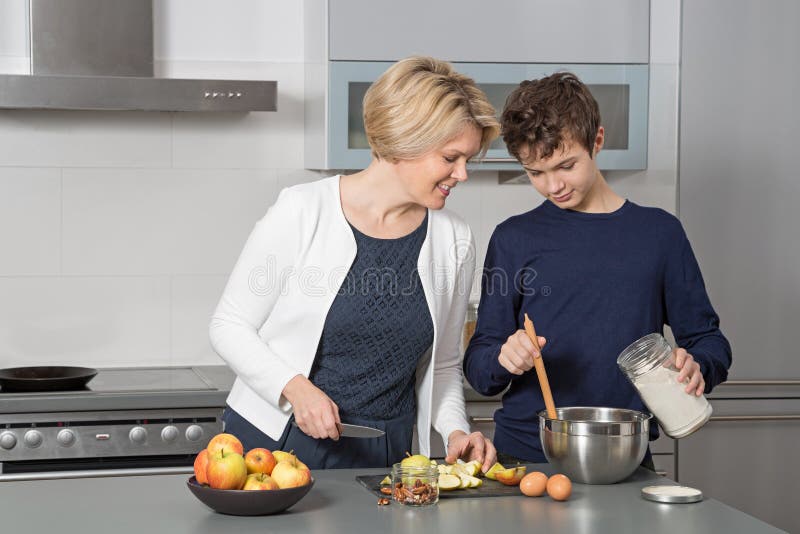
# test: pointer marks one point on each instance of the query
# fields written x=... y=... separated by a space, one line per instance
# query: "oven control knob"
x=33 y=438
x=8 y=440
x=169 y=433
x=138 y=435
x=66 y=437
x=194 y=433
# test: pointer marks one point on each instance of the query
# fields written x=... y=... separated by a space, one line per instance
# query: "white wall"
x=118 y=230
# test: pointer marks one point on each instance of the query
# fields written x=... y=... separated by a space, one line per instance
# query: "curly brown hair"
x=542 y=114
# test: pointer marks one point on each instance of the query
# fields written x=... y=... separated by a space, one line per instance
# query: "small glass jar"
x=415 y=486
x=650 y=366
x=470 y=323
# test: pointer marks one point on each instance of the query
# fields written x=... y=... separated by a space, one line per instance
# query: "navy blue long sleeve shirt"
x=592 y=283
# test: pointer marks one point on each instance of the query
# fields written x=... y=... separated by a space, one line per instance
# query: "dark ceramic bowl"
x=247 y=502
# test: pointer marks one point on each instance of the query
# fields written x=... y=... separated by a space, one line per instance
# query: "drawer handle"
x=474 y=419
x=497 y=160
x=661 y=473
x=763 y=382
x=724 y=418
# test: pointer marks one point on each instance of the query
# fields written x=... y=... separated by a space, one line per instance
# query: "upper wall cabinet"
x=349 y=43
x=508 y=31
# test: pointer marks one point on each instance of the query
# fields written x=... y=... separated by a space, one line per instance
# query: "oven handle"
x=95 y=473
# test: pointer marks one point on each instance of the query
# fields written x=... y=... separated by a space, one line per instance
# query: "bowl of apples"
x=259 y=482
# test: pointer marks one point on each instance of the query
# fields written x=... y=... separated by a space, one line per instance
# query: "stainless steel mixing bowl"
x=595 y=445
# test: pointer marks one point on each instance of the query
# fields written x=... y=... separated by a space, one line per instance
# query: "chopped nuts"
x=383 y=501
x=386 y=491
x=418 y=494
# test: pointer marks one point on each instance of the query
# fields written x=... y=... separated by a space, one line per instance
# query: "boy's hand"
x=689 y=372
x=517 y=353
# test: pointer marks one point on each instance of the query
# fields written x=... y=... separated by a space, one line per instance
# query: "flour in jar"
x=678 y=412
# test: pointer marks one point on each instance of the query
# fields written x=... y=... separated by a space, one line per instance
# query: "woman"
x=348 y=300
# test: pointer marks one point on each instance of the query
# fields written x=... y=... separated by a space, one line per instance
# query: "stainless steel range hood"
x=98 y=55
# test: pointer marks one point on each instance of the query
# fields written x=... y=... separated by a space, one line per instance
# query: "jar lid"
x=672 y=494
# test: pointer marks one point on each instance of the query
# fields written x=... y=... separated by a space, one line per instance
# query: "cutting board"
x=490 y=488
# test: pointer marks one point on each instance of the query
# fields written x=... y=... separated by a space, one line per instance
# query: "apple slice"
x=459 y=469
x=449 y=482
x=472 y=468
x=511 y=476
x=473 y=482
x=493 y=470
x=386 y=480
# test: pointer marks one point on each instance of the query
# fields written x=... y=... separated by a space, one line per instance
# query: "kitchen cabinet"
x=509 y=31
x=339 y=67
x=746 y=456
x=738 y=202
x=339 y=140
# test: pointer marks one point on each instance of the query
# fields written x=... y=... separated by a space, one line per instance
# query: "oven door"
x=97 y=467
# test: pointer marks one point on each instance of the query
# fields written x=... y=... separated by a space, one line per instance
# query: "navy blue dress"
x=375 y=333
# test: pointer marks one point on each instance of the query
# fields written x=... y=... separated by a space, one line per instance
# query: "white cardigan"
x=269 y=321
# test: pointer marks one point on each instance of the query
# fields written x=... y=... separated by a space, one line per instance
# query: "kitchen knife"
x=356 y=431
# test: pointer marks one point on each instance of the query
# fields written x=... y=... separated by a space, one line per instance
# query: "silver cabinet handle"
x=496 y=160
x=761 y=383
x=474 y=419
x=94 y=473
x=661 y=473
x=728 y=418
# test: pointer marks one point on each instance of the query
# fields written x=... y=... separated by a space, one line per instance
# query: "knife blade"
x=356 y=431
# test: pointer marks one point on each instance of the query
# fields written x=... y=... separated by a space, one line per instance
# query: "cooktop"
x=132 y=388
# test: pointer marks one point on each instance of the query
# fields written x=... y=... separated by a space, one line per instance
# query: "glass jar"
x=469 y=324
x=650 y=366
x=415 y=486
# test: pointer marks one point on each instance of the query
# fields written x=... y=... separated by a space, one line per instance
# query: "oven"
x=131 y=421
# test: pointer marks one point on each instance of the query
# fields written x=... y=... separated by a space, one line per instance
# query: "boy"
x=594 y=271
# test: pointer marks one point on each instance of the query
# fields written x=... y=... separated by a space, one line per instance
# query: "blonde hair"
x=420 y=103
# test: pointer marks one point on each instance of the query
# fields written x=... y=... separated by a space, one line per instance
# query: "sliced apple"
x=459 y=469
x=473 y=482
x=449 y=482
x=472 y=468
x=494 y=469
x=510 y=476
x=464 y=480
x=386 y=480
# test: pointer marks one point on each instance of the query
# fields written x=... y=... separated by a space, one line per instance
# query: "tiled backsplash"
x=118 y=230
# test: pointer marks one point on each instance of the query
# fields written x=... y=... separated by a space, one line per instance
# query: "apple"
x=200 y=466
x=259 y=461
x=226 y=442
x=259 y=481
x=226 y=470
x=418 y=460
x=281 y=456
x=511 y=476
x=290 y=475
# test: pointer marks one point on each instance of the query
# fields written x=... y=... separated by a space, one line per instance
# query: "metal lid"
x=672 y=494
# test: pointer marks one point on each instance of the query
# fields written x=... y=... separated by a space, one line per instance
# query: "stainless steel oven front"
x=103 y=443
x=147 y=420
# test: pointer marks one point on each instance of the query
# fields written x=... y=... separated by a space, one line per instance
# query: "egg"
x=533 y=484
x=559 y=487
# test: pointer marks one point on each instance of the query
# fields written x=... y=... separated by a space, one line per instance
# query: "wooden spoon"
x=549 y=405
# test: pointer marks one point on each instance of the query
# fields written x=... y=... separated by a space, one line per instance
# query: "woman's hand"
x=314 y=412
x=517 y=353
x=468 y=447
x=689 y=372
